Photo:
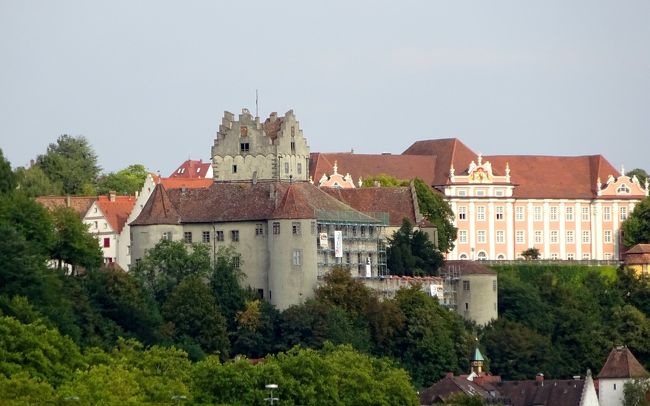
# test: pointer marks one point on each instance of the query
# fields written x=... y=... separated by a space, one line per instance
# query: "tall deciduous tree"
x=195 y=314
x=636 y=229
x=73 y=244
x=411 y=252
x=34 y=182
x=437 y=211
x=7 y=177
x=640 y=174
x=124 y=182
x=72 y=162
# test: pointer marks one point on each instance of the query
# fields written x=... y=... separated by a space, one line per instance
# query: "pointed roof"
x=447 y=152
x=193 y=169
x=158 y=209
x=116 y=210
x=477 y=355
x=621 y=363
x=238 y=201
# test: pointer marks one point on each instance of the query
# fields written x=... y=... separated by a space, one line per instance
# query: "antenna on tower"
x=257 y=114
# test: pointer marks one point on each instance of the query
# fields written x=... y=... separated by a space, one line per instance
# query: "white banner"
x=322 y=240
x=338 y=244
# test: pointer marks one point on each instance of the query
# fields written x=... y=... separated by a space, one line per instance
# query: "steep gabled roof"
x=187 y=183
x=116 y=211
x=365 y=165
x=450 y=385
x=158 y=209
x=538 y=176
x=80 y=204
x=238 y=201
x=447 y=151
x=396 y=201
x=621 y=363
x=192 y=169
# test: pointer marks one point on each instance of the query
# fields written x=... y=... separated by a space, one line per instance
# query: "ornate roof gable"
x=480 y=172
x=622 y=186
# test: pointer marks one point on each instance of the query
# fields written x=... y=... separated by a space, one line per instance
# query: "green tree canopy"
x=636 y=229
x=411 y=253
x=73 y=244
x=530 y=253
x=437 y=211
x=124 y=182
x=72 y=162
x=34 y=182
x=640 y=174
x=7 y=177
x=384 y=181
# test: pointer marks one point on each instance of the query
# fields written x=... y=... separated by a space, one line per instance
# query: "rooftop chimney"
x=539 y=377
x=111 y=195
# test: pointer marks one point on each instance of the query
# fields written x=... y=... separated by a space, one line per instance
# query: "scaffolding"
x=363 y=241
x=450 y=276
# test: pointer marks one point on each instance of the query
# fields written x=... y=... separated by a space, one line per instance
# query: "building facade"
x=569 y=208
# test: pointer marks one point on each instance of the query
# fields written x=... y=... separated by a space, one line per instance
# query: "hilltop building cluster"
x=258 y=195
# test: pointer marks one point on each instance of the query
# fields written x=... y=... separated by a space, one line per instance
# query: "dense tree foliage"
x=72 y=163
x=383 y=180
x=636 y=229
x=530 y=253
x=125 y=182
x=412 y=253
x=7 y=177
x=436 y=210
x=640 y=174
x=34 y=182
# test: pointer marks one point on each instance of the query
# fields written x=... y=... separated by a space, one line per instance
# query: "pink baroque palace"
x=568 y=207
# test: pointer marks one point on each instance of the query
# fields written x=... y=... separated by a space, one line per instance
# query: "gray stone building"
x=471 y=289
x=247 y=149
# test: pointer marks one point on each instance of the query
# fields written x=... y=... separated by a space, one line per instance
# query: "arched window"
x=482 y=256
x=501 y=257
x=623 y=190
x=462 y=256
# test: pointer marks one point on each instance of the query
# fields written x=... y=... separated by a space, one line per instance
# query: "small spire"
x=336 y=168
x=622 y=170
x=480 y=158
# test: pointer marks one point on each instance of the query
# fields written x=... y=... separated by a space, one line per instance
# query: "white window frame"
x=500 y=237
x=462 y=212
x=520 y=237
x=519 y=213
x=462 y=236
x=481 y=237
x=480 y=213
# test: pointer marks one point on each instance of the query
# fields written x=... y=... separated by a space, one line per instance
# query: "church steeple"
x=477 y=362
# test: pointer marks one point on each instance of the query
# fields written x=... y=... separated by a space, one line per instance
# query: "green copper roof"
x=477 y=355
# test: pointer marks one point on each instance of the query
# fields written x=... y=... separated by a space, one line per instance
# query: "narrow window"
x=234 y=235
x=295 y=228
x=234 y=169
x=107 y=242
x=276 y=227
x=219 y=235
x=297 y=258
x=188 y=237
x=293 y=147
x=244 y=147
x=466 y=285
x=259 y=229
x=205 y=237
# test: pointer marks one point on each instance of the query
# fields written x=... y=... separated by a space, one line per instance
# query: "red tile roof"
x=447 y=151
x=554 y=176
x=236 y=201
x=397 y=201
x=116 y=211
x=192 y=169
x=187 y=183
x=364 y=166
x=80 y=204
x=621 y=363
x=158 y=209
x=637 y=255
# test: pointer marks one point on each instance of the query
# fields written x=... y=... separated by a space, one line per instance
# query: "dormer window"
x=623 y=190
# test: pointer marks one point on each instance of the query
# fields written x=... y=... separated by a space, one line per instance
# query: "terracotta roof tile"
x=192 y=169
x=238 y=201
x=188 y=183
x=158 y=209
x=80 y=204
x=621 y=363
x=364 y=166
x=447 y=151
x=116 y=211
x=554 y=176
x=396 y=201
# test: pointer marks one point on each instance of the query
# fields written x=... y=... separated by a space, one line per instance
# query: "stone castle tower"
x=247 y=149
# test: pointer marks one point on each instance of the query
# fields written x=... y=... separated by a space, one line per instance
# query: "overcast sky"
x=148 y=81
